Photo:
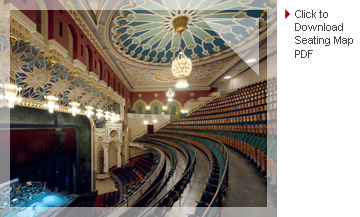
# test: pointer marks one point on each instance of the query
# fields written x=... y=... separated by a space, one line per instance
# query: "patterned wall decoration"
x=192 y=94
x=156 y=94
x=143 y=77
x=38 y=79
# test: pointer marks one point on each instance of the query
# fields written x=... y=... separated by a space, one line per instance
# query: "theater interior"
x=138 y=108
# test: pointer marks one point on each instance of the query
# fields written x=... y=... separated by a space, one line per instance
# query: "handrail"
x=184 y=174
x=145 y=131
x=152 y=172
x=157 y=183
x=225 y=175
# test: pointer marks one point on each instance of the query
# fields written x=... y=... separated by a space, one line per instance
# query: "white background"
x=318 y=115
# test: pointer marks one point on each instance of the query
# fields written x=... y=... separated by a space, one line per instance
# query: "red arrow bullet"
x=286 y=13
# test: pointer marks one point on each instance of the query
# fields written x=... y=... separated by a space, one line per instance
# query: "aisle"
x=246 y=187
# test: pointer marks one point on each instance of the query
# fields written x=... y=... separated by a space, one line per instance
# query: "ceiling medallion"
x=181 y=66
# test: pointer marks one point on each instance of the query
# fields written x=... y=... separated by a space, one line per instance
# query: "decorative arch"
x=100 y=69
x=141 y=103
x=157 y=103
x=89 y=58
x=178 y=107
x=72 y=42
x=42 y=19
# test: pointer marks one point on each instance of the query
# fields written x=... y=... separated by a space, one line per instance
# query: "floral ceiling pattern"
x=144 y=30
x=38 y=79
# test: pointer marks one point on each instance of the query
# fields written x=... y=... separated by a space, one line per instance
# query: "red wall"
x=79 y=38
x=181 y=96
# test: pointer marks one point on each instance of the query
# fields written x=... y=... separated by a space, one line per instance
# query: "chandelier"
x=51 y=103
x=74 y=108
x=181 y=66
x=10 y=91
x=170 y=94
x=89 y=111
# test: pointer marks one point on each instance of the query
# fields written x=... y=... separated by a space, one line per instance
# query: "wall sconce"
x=11 y=94
x=155 y=121
x=146 y=122
x=107 y=115
x=147 y=107
x=99 y=113
x=165 y=107
x=118 y=118
x=51 y=100
x=89 y=111
x=74 y=108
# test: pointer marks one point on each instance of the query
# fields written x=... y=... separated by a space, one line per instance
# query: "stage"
x=44 y=205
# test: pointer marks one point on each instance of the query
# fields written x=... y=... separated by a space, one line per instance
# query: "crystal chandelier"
x=74 y=108
x=89 y=111
x=170 y=94
x=51 y=103
x=181 y=66
x=10 y=91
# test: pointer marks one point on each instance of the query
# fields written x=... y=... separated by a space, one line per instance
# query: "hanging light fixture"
x=89 y=111
x=99 y=113
x=51 y=103
x=181 y=66
x=10 y=92
x=74 y=108
x=170 y=94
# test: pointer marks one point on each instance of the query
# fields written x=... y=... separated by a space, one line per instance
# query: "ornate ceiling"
x=35 y=75
x=139 y=36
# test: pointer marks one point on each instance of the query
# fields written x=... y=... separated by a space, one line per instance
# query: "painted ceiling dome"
x=143 y=31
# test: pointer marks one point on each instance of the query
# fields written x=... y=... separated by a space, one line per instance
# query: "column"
x=106 y=157
x=119 y=155
x=122 y=116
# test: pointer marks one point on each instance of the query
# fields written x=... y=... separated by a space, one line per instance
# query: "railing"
x=138 y=193
x=202 y=104
x=217 y=194
x=184 y=174
x=145 y=131
x=151 y=116
x=161 y=181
